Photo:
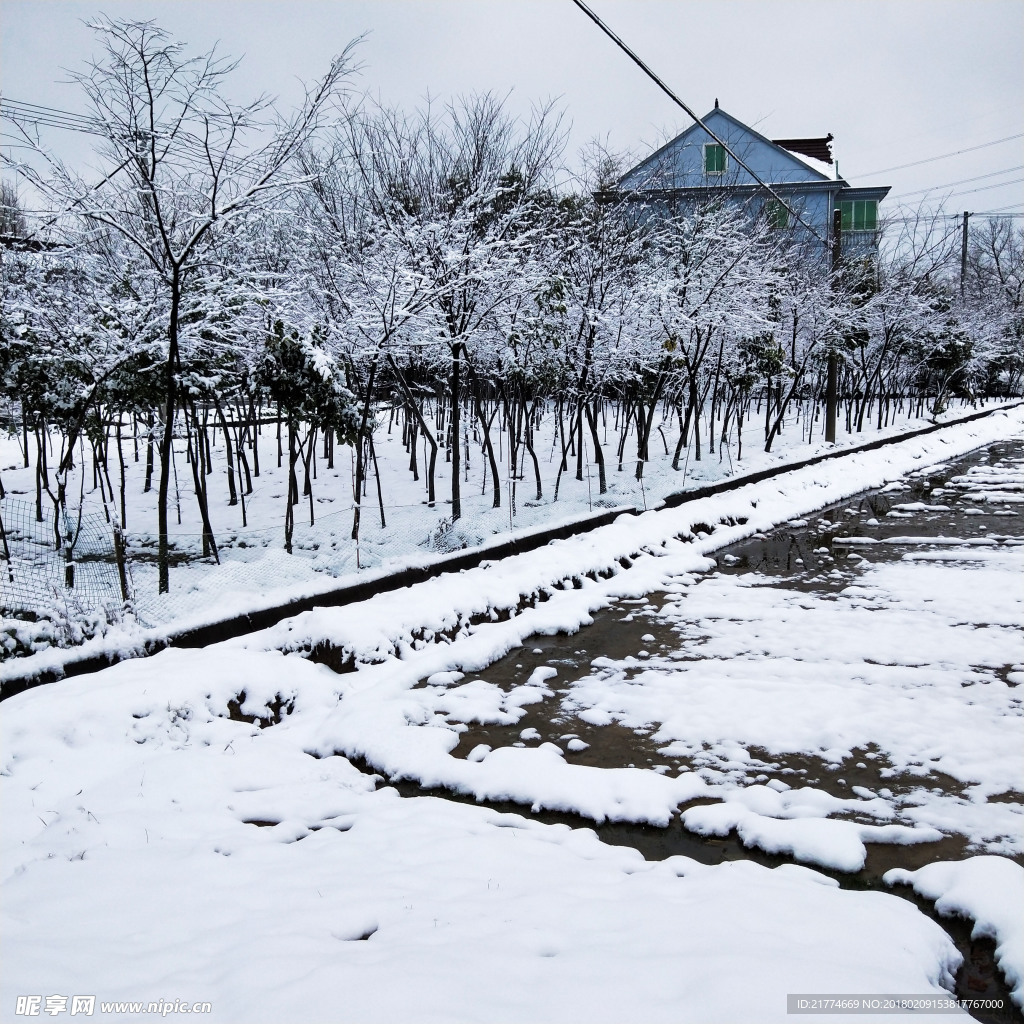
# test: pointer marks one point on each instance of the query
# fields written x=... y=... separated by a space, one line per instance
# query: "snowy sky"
x=896 y=81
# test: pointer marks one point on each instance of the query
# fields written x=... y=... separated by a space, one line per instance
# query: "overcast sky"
x=896 y=81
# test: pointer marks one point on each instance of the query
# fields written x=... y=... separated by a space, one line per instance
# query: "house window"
x=715 y=159
x=859 y=214
x=776 y=214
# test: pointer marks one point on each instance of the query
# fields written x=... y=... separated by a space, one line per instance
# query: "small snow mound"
x=444 y=678
x=355 y=930
x=540 y=675
x=595 y=716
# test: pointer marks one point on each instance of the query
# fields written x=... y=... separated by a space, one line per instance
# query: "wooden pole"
x=963 y=256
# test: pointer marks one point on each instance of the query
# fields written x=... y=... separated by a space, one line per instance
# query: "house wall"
x=680 y=164
x=814 y=208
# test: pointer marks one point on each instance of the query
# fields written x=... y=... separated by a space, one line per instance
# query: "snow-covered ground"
x=158 y=846
x=256 y=572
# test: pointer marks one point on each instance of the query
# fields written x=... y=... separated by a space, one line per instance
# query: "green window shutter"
x=714 y=159
x=778 y=215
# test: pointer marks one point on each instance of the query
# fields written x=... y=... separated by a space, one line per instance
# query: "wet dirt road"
x=971 y=505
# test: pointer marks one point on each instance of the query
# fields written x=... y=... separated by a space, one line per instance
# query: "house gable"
x=681 y=163
x=804 y=192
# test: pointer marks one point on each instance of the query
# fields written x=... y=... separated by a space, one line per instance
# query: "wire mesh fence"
x=249 y=560
x=60 y=562
x=254 y=560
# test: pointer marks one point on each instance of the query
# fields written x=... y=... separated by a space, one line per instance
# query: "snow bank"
x=156 y=848
x=838 y=845
x=987 y=890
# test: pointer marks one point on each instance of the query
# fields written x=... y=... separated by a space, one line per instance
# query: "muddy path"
x=920 y=516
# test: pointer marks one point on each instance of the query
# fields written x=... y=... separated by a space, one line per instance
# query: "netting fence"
x=254 y=560
x=59 y=562
x=39 y=579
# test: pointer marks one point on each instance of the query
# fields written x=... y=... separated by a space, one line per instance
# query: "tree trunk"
x=170 y=404
x=229 y=452
x=455 y=449
x=602 y=475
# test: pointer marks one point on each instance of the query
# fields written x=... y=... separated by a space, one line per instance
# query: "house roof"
x=717 y=111
x=876 y=192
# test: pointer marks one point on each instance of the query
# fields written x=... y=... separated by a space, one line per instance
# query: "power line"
x=969 y=191
x=675 y=99
x=998 y=211
x=966 y=181
x=943 y=156
x=955 y=219
x=951 y=126
x=985 y=188
x=18 y=111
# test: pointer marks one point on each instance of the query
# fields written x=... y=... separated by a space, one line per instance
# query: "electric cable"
x=942 y=156
x=964 y=192
x=966 y=181
x=675 y=99
x=19 y=111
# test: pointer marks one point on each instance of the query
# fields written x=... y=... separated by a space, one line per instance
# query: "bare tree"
x=183 y=162
x=455 y=192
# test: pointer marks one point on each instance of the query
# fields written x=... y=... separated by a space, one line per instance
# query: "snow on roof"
x=826 y=170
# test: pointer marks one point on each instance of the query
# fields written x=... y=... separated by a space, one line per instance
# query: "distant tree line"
x=235 y=265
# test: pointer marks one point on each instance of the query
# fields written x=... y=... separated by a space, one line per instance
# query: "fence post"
x=7 y=551
x=122 y=574
x=69 y=552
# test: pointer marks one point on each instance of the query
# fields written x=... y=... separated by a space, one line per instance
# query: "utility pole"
x=963 y=256
x=832 y=379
